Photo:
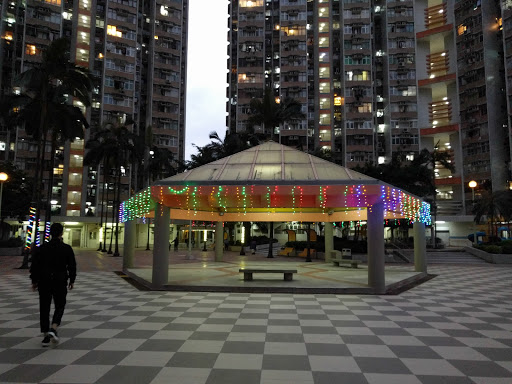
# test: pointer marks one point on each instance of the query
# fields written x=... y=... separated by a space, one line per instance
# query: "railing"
x=438 y=64
x=440 y=111
x=449 y=208
x=435 y=16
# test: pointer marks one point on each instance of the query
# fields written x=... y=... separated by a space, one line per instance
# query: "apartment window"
x=167 y=141
x=323 y=12
x=244 y=78
x=360 y=157
x=357 y=60
x=324 y=72
x=325 y=119
x=164 y=11
x=251 y=3
x=324 y=87
x=323 y=42
x=31 y=50
x=358 y=124
x=357 y=76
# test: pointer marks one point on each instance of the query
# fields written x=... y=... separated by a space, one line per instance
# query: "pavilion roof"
x=269 y=163
x=272 y=182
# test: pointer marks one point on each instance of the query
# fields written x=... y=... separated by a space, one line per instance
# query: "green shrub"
x=491 y=248
x=507 y=247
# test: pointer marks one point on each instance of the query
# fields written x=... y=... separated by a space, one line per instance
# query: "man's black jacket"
x=53 y=262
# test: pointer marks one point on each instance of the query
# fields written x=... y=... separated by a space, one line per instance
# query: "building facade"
x=380 y=77
x=137 y=51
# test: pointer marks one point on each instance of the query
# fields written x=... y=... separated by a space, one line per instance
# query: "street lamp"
x=473 y=184
x=3 y=177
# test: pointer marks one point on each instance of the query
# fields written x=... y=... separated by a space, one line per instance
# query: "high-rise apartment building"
x=137 y=50
x=380 y=77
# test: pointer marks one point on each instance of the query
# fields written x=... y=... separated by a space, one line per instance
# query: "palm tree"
x=117 y=147
x=270 y=112
x=43 y=106
x=161 y=163
x=494 y=206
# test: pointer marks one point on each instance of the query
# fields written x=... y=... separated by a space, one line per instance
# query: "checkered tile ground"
x=454 y=329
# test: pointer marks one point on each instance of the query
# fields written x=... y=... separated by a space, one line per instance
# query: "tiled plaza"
x=453 y=329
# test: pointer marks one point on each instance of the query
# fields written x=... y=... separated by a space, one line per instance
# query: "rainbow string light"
x=30 y=227
x=137 y=206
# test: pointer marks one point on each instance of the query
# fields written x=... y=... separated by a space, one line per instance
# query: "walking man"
x=53 y=264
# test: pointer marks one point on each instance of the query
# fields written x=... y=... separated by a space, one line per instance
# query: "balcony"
x=435 y=16
x=438 y=64
x=440 y=112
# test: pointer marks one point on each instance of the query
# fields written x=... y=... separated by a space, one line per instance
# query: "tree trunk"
x=113 y=216
x=48 y=213
x=270 y=240
x=118 y=197
x=100 y=211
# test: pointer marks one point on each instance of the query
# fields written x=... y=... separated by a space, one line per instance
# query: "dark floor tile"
x=81 y=343
x=287 y=363
x=361 y=339
x=29 y=373
x=216 y=336
x=19 y=356
x=414 y=352
x=444 y=380
x=339 y=377
x=129 y=375
x=181 y=327
x=480 y=368
x=382 y=365
x=234 y=376
x=8 y=342
x=319 y=330
x=243 y=347
x=161 y=345
x=102 y=358
x=284 y=337
x=327 y=349
x=134 y=334
x=440 y=341
x=496 y=354
x=249 y=328
x=192 y=360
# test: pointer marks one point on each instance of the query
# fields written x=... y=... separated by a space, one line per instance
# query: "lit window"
x=112 y=31
x=7 y=36
x=30 y=49
x=164 y=10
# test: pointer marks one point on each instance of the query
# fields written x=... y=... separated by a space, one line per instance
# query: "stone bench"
x=339 y=262
x=288 y=273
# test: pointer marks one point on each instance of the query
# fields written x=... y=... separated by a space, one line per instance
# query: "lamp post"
x=3 y=177
x=473 y=184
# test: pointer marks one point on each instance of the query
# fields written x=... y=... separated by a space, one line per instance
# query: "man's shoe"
x=46 y=341
x=53 y=335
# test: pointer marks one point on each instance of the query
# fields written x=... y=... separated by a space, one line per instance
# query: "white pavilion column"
x=161 y=246
x=376 y=275
x=219 y=240
x=129 y=243
x=420 y=247
x=329 y=241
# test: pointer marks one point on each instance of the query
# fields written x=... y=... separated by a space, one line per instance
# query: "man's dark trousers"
x=58 y=291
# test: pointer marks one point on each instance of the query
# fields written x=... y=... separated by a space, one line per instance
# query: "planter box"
x=494 y=258
x=11 y=251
